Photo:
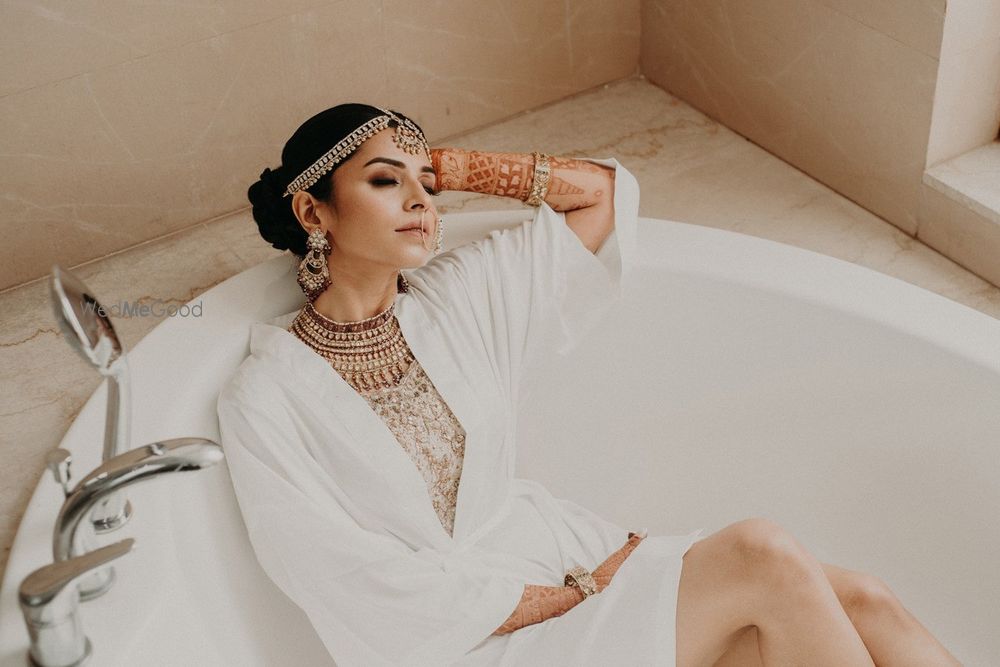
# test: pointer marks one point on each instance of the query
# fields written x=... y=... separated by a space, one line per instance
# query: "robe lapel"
x=376 y=440
x=443 y=368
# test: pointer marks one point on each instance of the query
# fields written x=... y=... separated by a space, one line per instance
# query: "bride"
x=369 y=435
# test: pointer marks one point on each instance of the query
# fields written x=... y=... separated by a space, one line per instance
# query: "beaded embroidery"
x=429 y=432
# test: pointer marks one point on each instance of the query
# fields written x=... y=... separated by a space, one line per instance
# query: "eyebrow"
x=397 y=163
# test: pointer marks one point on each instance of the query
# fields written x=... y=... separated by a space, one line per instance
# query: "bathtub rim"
x=714 y=253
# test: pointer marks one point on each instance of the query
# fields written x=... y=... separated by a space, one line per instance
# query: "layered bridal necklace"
x=369 y=354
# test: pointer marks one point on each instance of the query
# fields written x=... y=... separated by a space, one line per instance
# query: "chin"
x=415 y=259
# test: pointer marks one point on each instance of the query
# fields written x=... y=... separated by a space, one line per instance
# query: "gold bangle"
x=540 y=180
x=579 y=577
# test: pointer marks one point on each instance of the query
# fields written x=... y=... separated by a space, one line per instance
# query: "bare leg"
x=744 y=652
x=893 y=636
x=807 y=625
x=752 y=573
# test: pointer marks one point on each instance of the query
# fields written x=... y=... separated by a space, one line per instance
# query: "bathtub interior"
x=738 y=377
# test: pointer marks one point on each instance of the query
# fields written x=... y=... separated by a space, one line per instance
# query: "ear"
x=309 y=211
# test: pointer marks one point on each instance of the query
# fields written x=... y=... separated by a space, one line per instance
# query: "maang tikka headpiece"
x=313 y=275
x=408 y=137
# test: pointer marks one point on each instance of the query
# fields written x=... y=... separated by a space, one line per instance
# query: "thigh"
x=745 y=651
x=857 y=591
x=719 y=590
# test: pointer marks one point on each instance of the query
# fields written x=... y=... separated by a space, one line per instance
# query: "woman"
x=369 y=435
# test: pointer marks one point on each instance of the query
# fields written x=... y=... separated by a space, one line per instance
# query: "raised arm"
x=582 y=189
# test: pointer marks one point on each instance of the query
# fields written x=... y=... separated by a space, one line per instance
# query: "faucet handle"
x=58 y=460
x=50 y=600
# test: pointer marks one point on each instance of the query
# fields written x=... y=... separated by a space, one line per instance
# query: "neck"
x=345 y=304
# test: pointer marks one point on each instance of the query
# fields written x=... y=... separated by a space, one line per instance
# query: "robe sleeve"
x=535 y=288
x=372 y=599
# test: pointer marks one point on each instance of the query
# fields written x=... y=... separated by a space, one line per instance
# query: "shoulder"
x=253 y=383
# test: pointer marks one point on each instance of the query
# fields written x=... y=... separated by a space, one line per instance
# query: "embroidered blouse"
x=429 y=432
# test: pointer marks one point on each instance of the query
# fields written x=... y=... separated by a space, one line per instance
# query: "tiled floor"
x=689 y=168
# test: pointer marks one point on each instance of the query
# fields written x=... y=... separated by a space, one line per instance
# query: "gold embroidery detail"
x=429 y=432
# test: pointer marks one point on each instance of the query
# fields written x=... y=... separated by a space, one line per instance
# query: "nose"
x=418 y=198
x=418 y=203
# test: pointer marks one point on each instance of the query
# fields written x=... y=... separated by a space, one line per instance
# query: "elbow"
x=595 y=221
x=605 y=193
x=604 y=212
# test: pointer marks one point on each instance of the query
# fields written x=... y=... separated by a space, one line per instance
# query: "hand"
x=604 y=572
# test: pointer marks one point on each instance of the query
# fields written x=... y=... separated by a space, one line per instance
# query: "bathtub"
x=739 y=377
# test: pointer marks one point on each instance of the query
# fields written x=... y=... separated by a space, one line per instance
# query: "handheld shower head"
x=87 y=327
x=84 y=322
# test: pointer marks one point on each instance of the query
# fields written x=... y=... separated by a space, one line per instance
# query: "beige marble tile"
x=180 y=119
x=44 y=41
x=972 y=179
x=690 y=168
x=960 y=231
x=167 y=125
x=852 y=94
x=915 y=23
x=967 y=97
x=505 y=56
x=845 y=102
x=972 y=24
x=603 y=41
x=43 y=385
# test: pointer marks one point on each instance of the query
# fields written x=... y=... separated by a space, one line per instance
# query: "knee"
x=769 y=551
x=867 y=594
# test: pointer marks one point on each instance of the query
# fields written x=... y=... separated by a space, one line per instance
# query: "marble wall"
x=124 y=122
x=845 y=90
x=967 y=99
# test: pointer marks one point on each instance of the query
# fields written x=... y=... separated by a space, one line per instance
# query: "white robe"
x=340 y=518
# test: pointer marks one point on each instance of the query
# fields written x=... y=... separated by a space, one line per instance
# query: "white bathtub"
x=740 y=377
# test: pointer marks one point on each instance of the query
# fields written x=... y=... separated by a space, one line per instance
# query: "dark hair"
x=273 y=212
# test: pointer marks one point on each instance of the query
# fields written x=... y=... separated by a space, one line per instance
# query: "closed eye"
x=381 y=182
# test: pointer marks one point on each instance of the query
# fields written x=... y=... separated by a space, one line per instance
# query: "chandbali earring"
x=314 y=272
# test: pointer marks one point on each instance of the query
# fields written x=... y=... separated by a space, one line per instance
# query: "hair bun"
x=272 y=181
x=273 y=213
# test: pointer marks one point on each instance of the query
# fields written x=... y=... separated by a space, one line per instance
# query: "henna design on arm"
x=503 y=174
x=574 y=184
x=539 y=603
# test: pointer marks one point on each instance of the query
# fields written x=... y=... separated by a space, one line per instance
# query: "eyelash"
x=379 y=182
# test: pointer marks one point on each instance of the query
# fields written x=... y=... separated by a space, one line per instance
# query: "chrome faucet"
x=70 y=539
x=50 y=595
x=87 y=327
x=50 y=603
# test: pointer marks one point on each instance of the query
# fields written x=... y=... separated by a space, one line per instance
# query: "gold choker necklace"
x=369 y=354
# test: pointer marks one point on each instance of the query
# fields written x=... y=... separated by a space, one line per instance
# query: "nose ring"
x=423 y=234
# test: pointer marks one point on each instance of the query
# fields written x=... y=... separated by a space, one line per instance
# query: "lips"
x=409 y=227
